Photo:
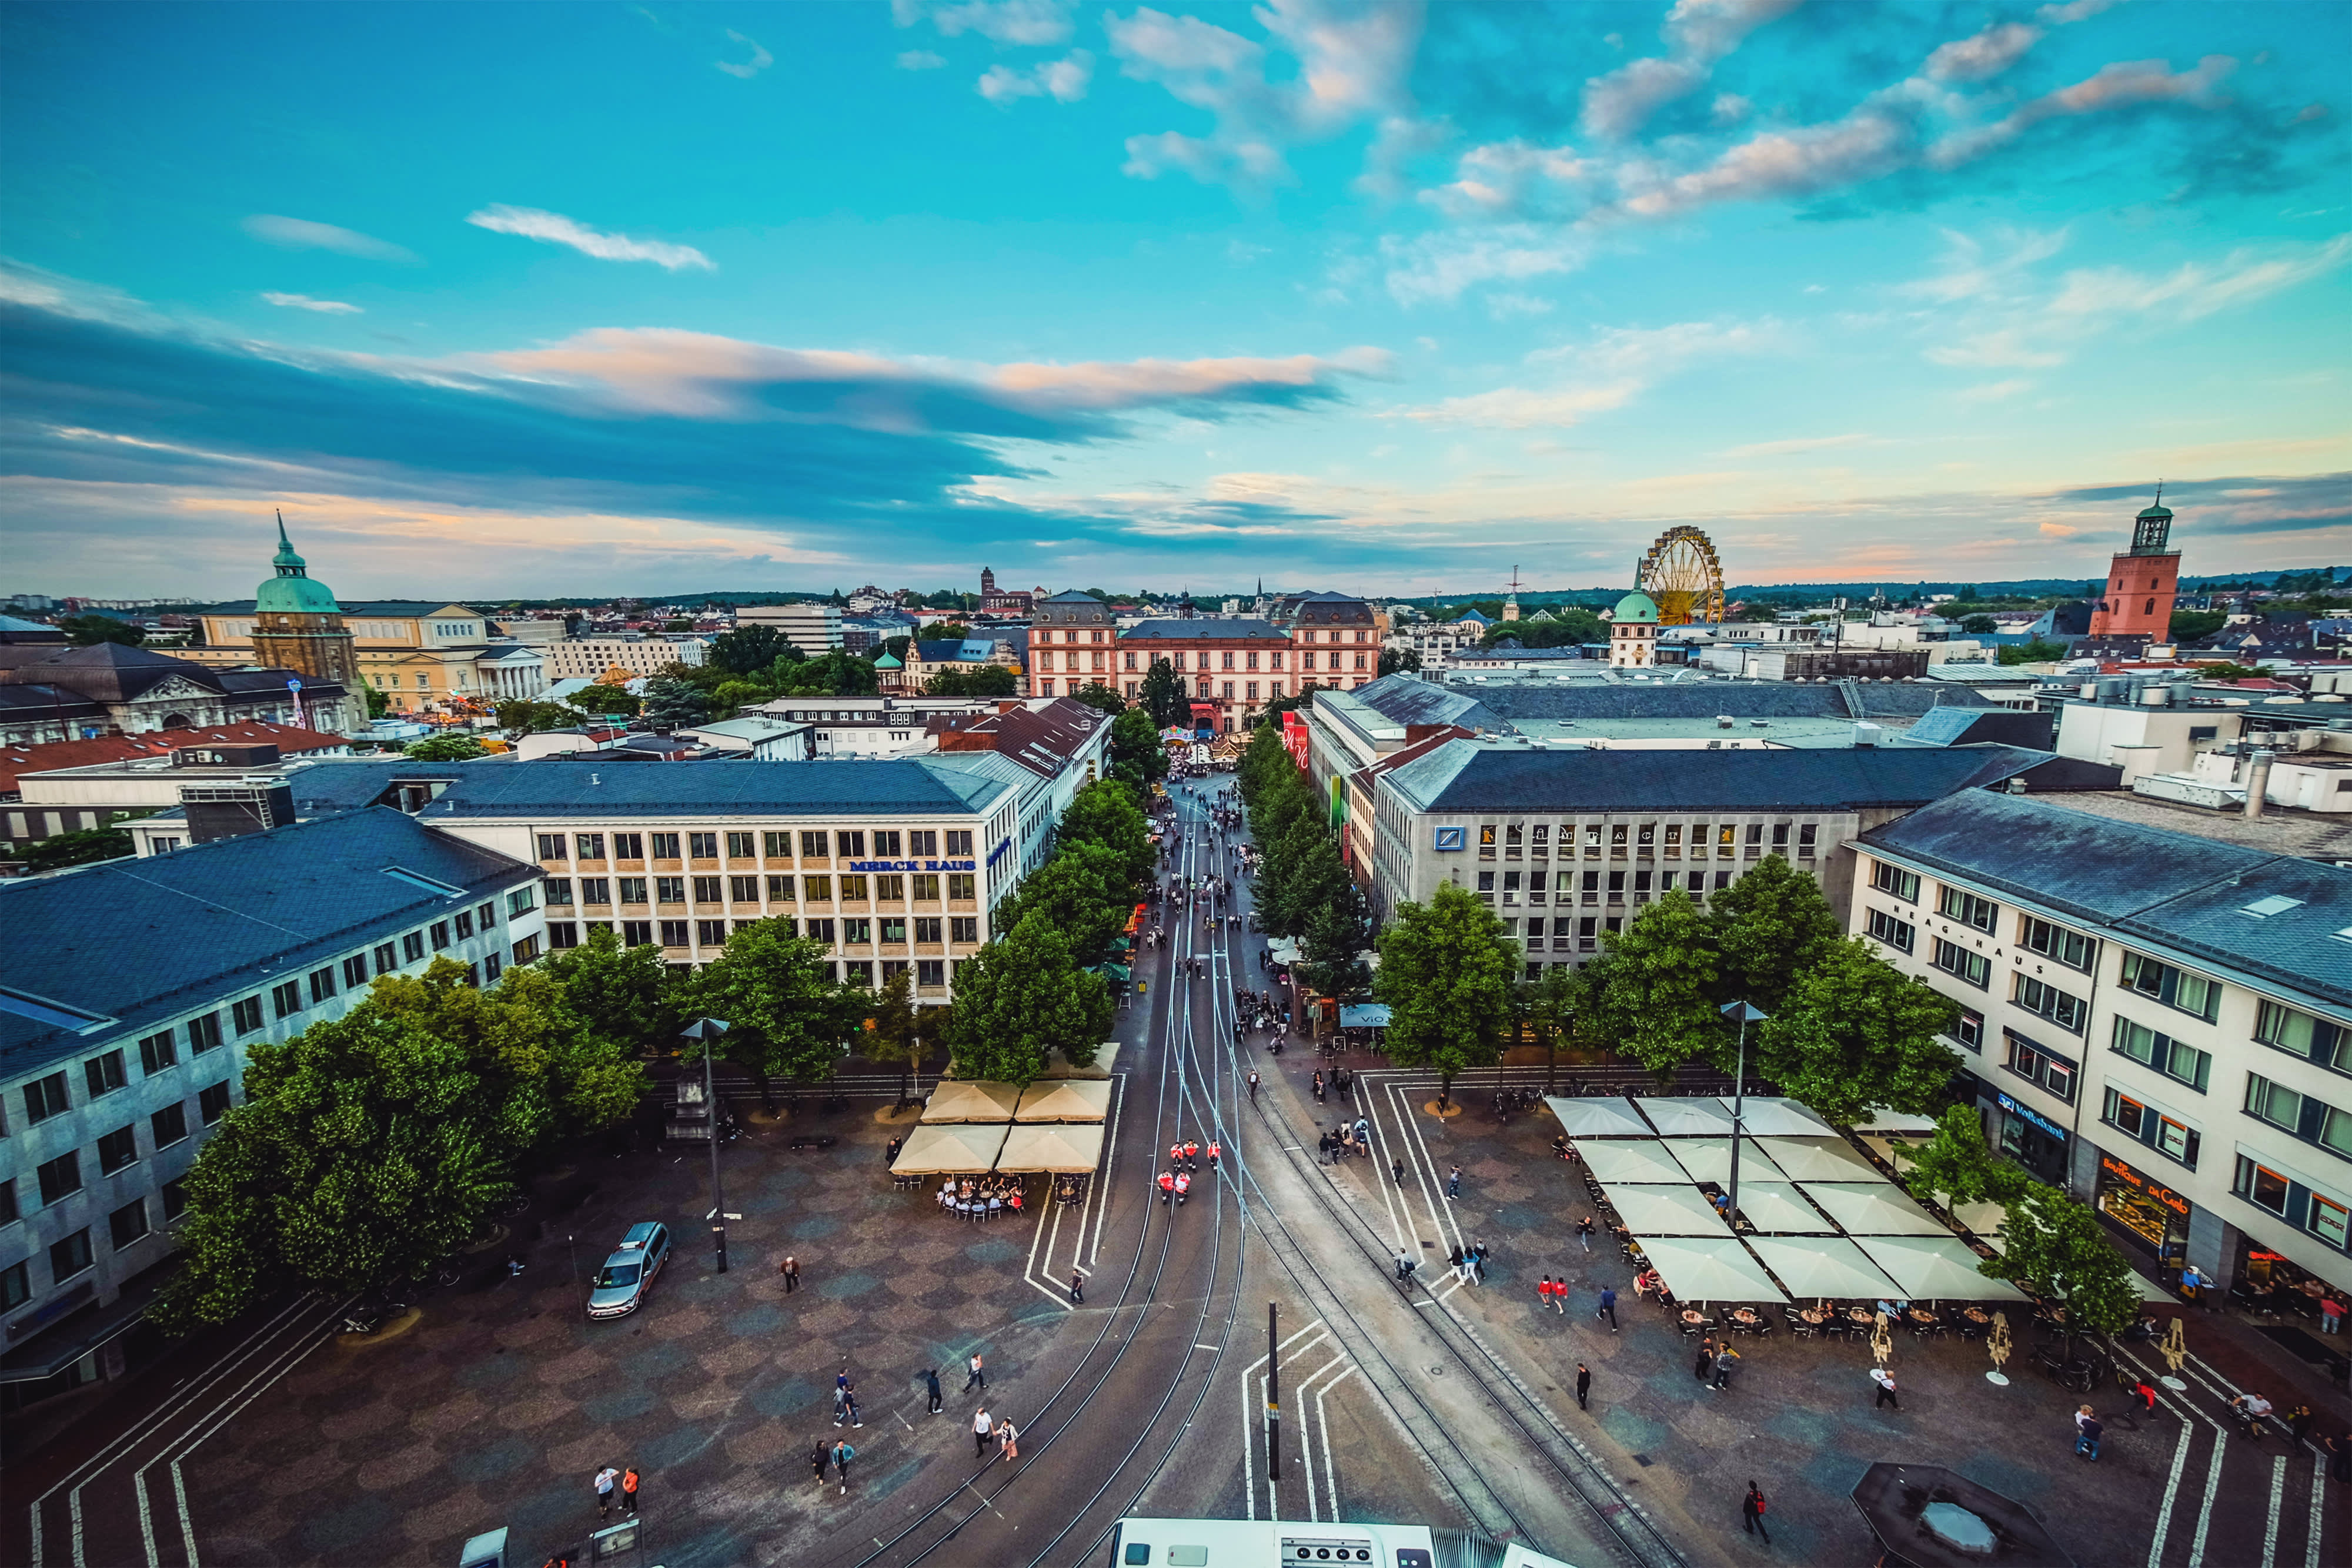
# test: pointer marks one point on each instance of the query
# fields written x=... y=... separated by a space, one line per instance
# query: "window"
x=819 y=931
x=156 y=1052
x=176 y=1200
x=170 y=1125
x=628 y=846
x=1969 y=909
x=890 y=889
x=813 y=845
x=595 y=890
x=245 y=1014
x=105 y=1074
x=2063 y=1009
x=632 y=890
x=412 y=947
x=819 y=888
x=464 y=926
x=2173 y=987
x=743 y=889
x=71 y=1257
x=2029 y=1060
x=773 y=844
x=60 y=1177
x=127 y=1224
x=2261 y=1187
x=440 y=934
x=853 y=889
x=2327 y=1221
x=591 y=846
x=666 y=847
x=780 y=888
x=1779 y=837
x=669 y=889
x=212 y=1102
x=2311 y=1120
x=706 y=890
x=2300 y=1034
x=702 y=846
x=387 y=957
x=524 y=951
x=963 y=928
x=1805 y=839
x=926 y=928
x=117 y=1149
x=963 y=885
x=850 y=845
x=2070 y=948
x=739 y=846
x=857 y=930
x=563 y=935
x=1955 y=959
x=710 y=933
x=15 y=1287
x=1897 y=933
x=1487 y=841
x=2166 y=1055
x=2174 y=1139
x=355 y=971
x=926 y=887
x=1902 y=884
x=958 y=840
x=636 y=933
x=550 y=846
x=8 y=1204
x=893 y=928
x=1673 y=841
x=930 y=972
x=1968 y=1030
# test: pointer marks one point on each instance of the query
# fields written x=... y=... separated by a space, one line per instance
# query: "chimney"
x=2258 y=780
x=1865 y=734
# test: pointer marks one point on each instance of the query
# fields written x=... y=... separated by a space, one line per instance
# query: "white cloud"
x=1507 y=306
x=1507 y=179
x=1065 y=80
x=304 y=302
x=2118 y=86
x=1995 y=391
x=300 y=233
x=921 y=60
x=1988 y=54
x=1698 y=33
x=1022 y=22
x=2079 y=10
x=554 y=228
x=761 y=58
x=2193 y=291
x=1618 y=365
x=1438 y=266
x=1798 y=445
x=1800 y=162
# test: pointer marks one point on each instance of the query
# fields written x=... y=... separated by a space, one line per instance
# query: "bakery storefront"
x=2150 y=1212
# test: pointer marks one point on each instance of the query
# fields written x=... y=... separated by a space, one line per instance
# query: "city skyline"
x=663 y=298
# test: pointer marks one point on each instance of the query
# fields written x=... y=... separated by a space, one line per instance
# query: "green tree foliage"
x=1105 y=812
x=448 y=746
x=627 y=992
x=1163 y=696
x=787 y=1017
x=1333 y=942
x=2034 y=652
x=1855 y=1033
x=90 y=630
x=1021 y=999
x=1393 y=660
x=1568 y=627
x=748 y=650
x=1446 y=976
x=1980 y=625
x=373 y=1146
x=1959 y=1165
x=1301 y=878
x=1768 y=926
x=1101 y=698
x=378 y=703
x=987 y=681
x=894 y=1028
x=1652 y=990
x=2231 y=673
x=2054 y=1244
x=2191 y=625
x=947 y=631
x=533 y=718
x=839 y=674
x=674 y=702
x=1086 y=893
x=81 y=847
x=1137 y=759
x=1548 y=1009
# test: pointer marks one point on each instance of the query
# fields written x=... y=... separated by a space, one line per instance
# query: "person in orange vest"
x=1213 y=1153
x=1192 y=1154
x=1183 y=1186
x=1176 y=1155
x=1167 y=1185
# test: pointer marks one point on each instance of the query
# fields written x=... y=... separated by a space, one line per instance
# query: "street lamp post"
x=707 y=1031
x=1743 y=1014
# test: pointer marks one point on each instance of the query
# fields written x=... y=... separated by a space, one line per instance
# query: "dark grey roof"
x=1482 y=775
x=2177 y=890
x=1407 y=699
x=887 y=786
x=1210 y=628
x=1955 y=724
x=138 y=941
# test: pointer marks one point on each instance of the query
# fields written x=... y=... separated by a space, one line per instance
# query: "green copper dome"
x=1636 y=606
x=291 y=592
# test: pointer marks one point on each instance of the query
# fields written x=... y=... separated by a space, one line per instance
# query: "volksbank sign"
x=914 y=865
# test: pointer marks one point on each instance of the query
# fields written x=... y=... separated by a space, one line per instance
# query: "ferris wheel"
x=1682 y=575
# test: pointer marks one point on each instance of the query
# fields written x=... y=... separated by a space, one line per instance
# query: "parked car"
x=622 y=1284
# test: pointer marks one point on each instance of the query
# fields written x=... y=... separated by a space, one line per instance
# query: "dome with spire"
x=1635 y=606
x=292 y=591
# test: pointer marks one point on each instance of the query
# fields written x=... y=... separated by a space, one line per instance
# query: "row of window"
x=1567 y=884
x=1534 y=840
x=58 y=1179
x=73 y=1254
x=2266 y=1188
x=769 y=844
x=923 y=887
x=564 y=934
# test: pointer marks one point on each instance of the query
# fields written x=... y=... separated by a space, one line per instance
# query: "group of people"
x=992 y=1192
x=1342 y=1081
x=1344 y=1140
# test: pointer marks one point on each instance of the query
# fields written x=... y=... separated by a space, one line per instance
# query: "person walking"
x=791 y=1270
x=1215 y=1151
x=1007 y=1436
x=1543 y=1293
x=1726 y=1361
x=1396 y=1171
x=1584 y=1232
x=1478 y=1261
x=981 y=1427
x=1453 y=1183
x=2331 y=1313
x=841 y=1454
x=1559 y=1295
x=604 y=1479
x=931 y=1384
x=1886 y=1393
x=1584 y=1385
x=821 y=1457
x=849 y=1403
x=2087 y=1442
x=979 y=1374
x=1706 y=1367
x=1608 y=1308
x=1401 y=1261
x=1751 y=1510
x=1252 y=1087
x=1454 y=1258
x=1078 y=1288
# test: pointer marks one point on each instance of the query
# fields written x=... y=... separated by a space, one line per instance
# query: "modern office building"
x=811 y=626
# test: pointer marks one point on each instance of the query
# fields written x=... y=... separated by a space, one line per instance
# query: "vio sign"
x=911 y=866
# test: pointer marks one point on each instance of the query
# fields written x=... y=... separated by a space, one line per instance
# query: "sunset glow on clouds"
x=1365 y=296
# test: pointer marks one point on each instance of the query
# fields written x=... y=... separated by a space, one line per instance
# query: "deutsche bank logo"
x=1450 y=838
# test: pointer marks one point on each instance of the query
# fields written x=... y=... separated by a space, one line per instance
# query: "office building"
x=813 y=627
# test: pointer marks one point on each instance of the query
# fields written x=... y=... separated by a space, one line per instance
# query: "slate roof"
x=139 y=941
x=951 y=651
x=155 y=745
x=1042 y=739
x=2177 y=890
x=1209 y=628
x=887 y=785
x=1411 y=700
x=110 y=672
x=1485 y=776
x=1954 y=723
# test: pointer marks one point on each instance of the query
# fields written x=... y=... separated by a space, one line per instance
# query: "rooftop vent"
x=2263 y=908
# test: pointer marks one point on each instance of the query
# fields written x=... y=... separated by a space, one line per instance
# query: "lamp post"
x=1742 y=1014
x=707 y=1031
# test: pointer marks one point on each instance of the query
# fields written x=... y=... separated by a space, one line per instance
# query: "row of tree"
x=1302 y=889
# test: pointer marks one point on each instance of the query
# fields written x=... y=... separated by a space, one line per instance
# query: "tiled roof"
x=1205 y=628
x=155 y=744
x=136 y=941
x=1485 y=776
x=579 y=788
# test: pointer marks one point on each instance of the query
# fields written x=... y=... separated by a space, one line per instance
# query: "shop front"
x=2147 y=1211
x=2033 y=1140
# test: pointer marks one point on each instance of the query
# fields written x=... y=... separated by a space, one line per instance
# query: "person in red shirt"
x=1167 y=1185
x=1214 y=1151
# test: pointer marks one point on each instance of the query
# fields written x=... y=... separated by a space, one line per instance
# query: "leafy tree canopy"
x=1023 y=999
x=1105 y=813
x=987 y=681
x=533 y=718
x=1393 y=660
x=1957 y=1164
x=2054 y=1244
x=1653 y=990
x=1855 y=1034
x=839 y=674
x=1137 y=759
x=675 y=702
x=1446 y=975
x=89 y=630
x=1767 y=928
x=79 y=847
x=1085 y=892
x=626 y=992
x=451 y=747
x=1163 y=696
x=787 y=1017
x=748 y=649
x=1101 y=698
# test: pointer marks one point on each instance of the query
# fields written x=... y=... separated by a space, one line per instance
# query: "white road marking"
x=2171 y=1493
x=2278 y=1495
x=2205 y=1505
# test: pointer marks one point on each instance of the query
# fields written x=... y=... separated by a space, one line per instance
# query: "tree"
x=1653 y=992
x=1101 y=698
x=1445 y=974
x=378 y=703
x=627 y=993
x=672 y=701
x=1957 y=1164
x=2034 y=652
x=839 y=674
x=948 y=631
x=1981 y=625
x=1855 y=1034
x=1301 y=877
x=1021 y=998
x=571 y=1074
x=1332 y=943
x=1085 y=893
x=1163 y=696
x=1548 y=1007
x=891 y=1031
x=2190 y=625
x=1393 y=660
x=748 y=649
x=987 y=681
x=448 y=746
x=1104 y=812
x=1137 y=759
x=787 y=1016
x=2054 y=1244
x=81 y=847
x=533 y=718
x=1768 y=926
x=90 y=630
x=2231 y=673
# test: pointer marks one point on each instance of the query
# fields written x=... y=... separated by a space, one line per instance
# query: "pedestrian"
x=1543 y=1293
x=629 y=1491
x=931 y=1383
x=1608 y=1308
x=1751 y=1509
x=841 y=1454
x=1396 y=1171
x=2298 y=1423
x=1559 y=1295
x=2331 y=1313
x=1478 y=1253
x=2339 y=1459
x=1006 y=1436
x=791 y=1270
x=1215 y=1150
x=1584 y=1385
x=2251 y=1408
x=1453 y=1183
x=1584 y=1232
x=1078 y=1288
x=2088 y=1443
x=2192 y=1282
x=1454 y=1260
x=849 y=1401
x=604 y=1479
x=818 y=1461
x=1726 y=1361
x=1318 y=1086
x=1252 y=1087
x=980 y=1430
x=2144 y=1391
x=979 y=1374
x=1706 y=1367
x=1885 y=1382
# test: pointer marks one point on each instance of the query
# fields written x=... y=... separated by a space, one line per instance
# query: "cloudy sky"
x=503 y=299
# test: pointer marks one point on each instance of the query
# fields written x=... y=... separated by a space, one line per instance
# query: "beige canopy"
x=1709 y=1268
x=1819 y=1159
x=965 y=1148
x=1709 y=1159
x=1661 y=1209
x=1873 y=1208
x=1059 y=1148
x=955 y=1099
x=1105 y=1056
x=1614 y=1160
x=1064 y=1099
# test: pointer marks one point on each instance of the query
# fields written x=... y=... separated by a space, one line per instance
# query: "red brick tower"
x=2141 y=582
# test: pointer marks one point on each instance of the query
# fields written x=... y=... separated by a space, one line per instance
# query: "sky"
x=545 y=300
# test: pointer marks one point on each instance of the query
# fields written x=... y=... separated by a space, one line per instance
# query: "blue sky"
x=550 y=300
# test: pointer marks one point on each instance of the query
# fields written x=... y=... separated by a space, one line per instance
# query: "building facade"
x=590 y=658
x=81 y=693
x=813 y=627
x=1073 y=640
x=298 y=625
x=2142 y=583
x=422 y=661
x=1633 y=632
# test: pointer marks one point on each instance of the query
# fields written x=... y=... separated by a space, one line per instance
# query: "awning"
x=1873 y=1208
x=964 y=1099
x=1770 y=1116
x=1607 y=1118
x=1824 y=1266
x=1776 y=1206
x=1680 y=1209
x=77 y=1328
x=1895 y=1121
x=1819 y=1159
x=1613 y=1160
x=1064 y=1099
x=1057 y=1148
x=1364 y=1015
x=1105 y=1054
x=1283 y=950
x=1700 y=1117
x=1936 y=1268
x=1983 y=1220
x=1709 y=1268
x=965 y=1148
x=1709 y=1159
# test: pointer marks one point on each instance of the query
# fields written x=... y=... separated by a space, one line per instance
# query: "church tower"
x=298 y=625
x=2142 y=581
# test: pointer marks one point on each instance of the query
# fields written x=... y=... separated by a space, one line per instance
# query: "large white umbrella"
x=1609 y=1118
x=1701 y=1116
x=1062 y=1148
x=1613 y=1160
x=1709 y=1268
x=1936 y=1268
x=1824 y=1266
x=960 y=1148
x=1064 y=1099
x=967 y=1100
x=1895 y=1121
x=1772 y=1116
x=1777 y=1205
x=1873 y=1208
x=1819 y=1159
x=1663 y=1210
x=1983 y=1220
x=1709 y=1159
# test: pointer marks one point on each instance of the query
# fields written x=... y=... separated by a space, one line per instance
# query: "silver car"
x=622 y=1284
